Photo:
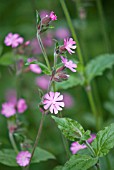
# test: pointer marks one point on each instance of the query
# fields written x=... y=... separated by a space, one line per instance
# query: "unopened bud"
x=46 y=20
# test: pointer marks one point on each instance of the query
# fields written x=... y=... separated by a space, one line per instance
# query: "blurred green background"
x=18 y=16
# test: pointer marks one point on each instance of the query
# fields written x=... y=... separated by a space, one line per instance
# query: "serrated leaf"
x=104 y=141
x=96 y=66
x=74 y=80
x=80 y=162
x=41 y=155
x=8 y=157
x=9 y=58
x=71 y=129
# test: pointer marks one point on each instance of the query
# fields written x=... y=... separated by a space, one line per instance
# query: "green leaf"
x=58 y=168
x=74 y=80
x=70 y=128
x=104 y=141
x=44 y=68
x=10 y=58
x=8 y=157
x=96 y=66
x=80 y=162
x=41 y=155
x=1 y=49
x=38 y=19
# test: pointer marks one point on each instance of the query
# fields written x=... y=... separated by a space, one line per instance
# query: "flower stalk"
x=89 y=93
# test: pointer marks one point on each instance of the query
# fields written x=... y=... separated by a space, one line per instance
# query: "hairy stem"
x=72 y=30
x=13 y=142
x=93 y=154
x=37 y=140
x=43 y=51
x=89 y=94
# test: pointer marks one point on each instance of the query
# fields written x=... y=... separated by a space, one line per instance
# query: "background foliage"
x=19 y=16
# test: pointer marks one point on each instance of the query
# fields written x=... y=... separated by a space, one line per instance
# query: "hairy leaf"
x=80 y=162
x=8 y=157
x=9 y=58
x=96 y=66
x=104 y=141
x=70 y=128
x=41 y=155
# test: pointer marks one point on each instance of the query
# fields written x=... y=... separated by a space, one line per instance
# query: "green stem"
x=13 y=142
x=72 y=30
x=43 y=51
x=37 y=140
x=90 y=148
x=93 y=153
x=102 y=19
x=93 y=107
x=89 y=92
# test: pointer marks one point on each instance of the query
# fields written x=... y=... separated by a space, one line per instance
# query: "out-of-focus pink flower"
x=69 y=64
x=35 y=46
x=75 y=146
x=62 y=33
x=68 y=100
x=42 y=82
x=11 y=96
x=21 y=105
x=8 y=109
x=27 y=43
x=53 y=16
x=34 y=67
x=90 y=140
x=13 y=40
x=43 y=13
x=47 y=40
x=53 y=102
x=69 y=45
x=23 y=158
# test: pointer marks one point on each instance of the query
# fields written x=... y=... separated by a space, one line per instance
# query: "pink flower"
x=75 y=146
x=53 y=102
x=23 y=158
x=62 y=33
x=8 y=109
x=21 y=105
x=69 y=64
x=13 y=40
x=34 y=67
x=35 y=46
x=43 y=13
x=69 y=44
x=42 y=82
x=11 y=96
x=53 y=16
x=68 y=100
x=27 y=43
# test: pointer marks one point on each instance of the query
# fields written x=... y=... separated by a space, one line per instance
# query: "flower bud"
x=60 y=76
